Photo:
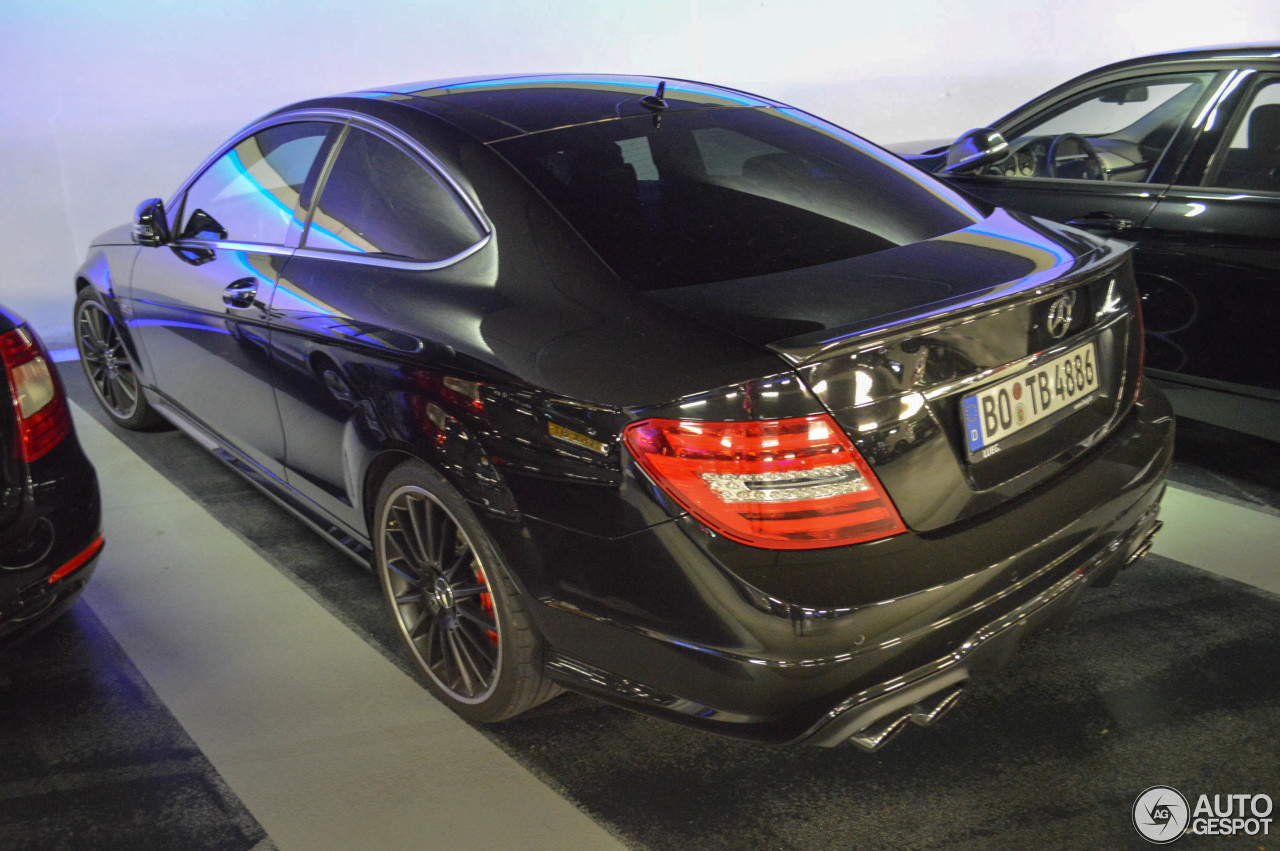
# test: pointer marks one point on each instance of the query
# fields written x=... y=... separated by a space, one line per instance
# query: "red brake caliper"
x=486 y=602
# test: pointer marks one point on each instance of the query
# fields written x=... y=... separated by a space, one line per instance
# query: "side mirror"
x=150 y=227
x=975 y=149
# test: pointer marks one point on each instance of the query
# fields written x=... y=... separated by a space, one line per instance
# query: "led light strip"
x=835 y=480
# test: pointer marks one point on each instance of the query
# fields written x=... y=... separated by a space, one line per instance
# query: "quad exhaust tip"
x=925 y=712
x=922 y=714
x=1145 y=546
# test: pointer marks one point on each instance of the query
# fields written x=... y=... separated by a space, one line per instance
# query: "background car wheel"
x=109 y=366
x=458 y=610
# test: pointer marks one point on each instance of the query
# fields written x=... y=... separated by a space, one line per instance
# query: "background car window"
x=250 y=193
x=1252 y=160
x=1128 y=124
x=723 y=194
x=380 y=200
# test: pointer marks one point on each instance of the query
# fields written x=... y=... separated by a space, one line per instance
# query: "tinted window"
x=720 y=194
x=1129 y=125
x=380 y=200
x=250 y=193
x=1252 y=159
x=1113 y=109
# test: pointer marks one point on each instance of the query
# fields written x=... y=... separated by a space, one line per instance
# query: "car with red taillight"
x=50 y=517
x=649 y=389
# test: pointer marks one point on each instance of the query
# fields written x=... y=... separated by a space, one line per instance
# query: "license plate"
x=1004 y=409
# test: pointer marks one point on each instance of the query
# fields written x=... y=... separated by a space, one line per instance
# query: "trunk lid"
x=892 y=343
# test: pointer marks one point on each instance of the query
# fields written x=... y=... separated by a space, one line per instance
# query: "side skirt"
x=349 y=541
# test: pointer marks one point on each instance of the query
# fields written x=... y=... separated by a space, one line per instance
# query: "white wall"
x=103 y=104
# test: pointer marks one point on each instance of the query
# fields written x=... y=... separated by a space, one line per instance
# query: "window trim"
x=382 y=129
x=1262 y=78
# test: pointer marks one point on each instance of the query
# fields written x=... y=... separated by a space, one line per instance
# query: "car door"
x=1139 y=124
x=200 y=301
x=386 y=231
x=1212 y=256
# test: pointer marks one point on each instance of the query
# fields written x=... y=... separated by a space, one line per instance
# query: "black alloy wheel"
x=458 y=612
x=108 y=365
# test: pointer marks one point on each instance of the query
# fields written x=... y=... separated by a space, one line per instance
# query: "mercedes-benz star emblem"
x=1059 y=318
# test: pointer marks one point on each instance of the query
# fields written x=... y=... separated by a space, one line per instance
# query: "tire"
x=108 y=366
x=448 y=591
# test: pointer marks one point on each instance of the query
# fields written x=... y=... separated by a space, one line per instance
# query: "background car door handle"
x=241 y=293
x=1104 y=221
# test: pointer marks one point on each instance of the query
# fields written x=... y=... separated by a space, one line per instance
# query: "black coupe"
x=649 y=389
x=1179 y=153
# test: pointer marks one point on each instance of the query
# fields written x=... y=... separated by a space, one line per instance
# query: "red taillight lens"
x=38 y=405
x=78 y=562
x=782 y=484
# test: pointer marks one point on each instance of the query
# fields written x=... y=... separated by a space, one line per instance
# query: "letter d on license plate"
x=1004 y=409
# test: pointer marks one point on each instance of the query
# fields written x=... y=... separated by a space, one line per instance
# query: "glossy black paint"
x=1207 y=258
x=50 y=514
x=342 y=366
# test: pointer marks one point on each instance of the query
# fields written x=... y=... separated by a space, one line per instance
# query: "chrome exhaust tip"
x=922 y=714
x=934 y=707
x=873 y=738
x=1146 y=544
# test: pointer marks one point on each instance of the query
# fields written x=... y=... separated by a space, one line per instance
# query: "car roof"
x=498 y=107
x=1233 y=52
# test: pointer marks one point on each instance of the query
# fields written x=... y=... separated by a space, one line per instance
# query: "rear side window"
x=378 y=199
x=720 y=194
x=1252 y=160
x=250 y=193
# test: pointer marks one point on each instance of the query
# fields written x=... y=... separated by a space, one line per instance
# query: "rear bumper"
x=697 y=644
x=873 y=716
x=51 y=549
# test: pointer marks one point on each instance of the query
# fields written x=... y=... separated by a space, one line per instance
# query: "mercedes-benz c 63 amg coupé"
x=652 y=390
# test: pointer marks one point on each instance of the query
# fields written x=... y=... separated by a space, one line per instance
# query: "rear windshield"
x=701 y=196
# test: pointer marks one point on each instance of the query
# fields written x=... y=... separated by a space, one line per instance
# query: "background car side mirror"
x=150 y=227
x=975 y=149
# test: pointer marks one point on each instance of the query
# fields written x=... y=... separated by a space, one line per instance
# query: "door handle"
x=1103 y=221
x=241 y=293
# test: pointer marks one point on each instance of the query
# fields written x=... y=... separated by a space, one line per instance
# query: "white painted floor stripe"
x=328 y=744
x=1220 y=537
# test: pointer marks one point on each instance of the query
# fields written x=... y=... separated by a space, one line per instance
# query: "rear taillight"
x=38 y=404
x=782 y=484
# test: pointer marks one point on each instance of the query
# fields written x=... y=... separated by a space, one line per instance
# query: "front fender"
x=108 y=270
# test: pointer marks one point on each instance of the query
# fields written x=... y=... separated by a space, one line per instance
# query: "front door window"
x=1117 y=131
x=250 y=194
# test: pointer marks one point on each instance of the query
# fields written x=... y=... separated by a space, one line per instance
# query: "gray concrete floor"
x=230 y=681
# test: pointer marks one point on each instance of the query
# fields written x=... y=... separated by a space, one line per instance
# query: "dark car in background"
x=50 y=516
x=1180 y=154
x=657 y=391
